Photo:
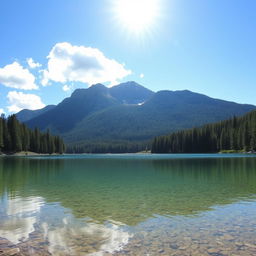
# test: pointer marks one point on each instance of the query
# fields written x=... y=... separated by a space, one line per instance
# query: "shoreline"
x=28 y=153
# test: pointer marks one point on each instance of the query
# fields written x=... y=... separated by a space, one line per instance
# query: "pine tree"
x=15 y=133
x=37 y=141
x=59 y=145
x=25 y=138
x=246 y=137
x=1 y=134
x=6 y=136
x=51 y=145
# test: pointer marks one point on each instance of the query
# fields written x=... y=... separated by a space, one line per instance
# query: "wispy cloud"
x=32 y=64
x=66 y=88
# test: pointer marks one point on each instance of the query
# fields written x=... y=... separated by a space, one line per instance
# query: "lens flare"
x=136 y=15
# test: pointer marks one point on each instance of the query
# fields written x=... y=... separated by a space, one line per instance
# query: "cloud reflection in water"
x=19 y=218
x=64 y=233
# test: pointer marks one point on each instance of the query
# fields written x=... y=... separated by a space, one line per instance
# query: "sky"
x=48 y=48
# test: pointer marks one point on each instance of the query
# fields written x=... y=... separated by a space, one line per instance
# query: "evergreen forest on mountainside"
x=235 y=134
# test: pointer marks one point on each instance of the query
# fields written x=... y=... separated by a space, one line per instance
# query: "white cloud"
x=45 y=80
x=15 y=76
x=1 y=111
x=33 y=64
x=141 y=75
x=66 y=88
x=68 y=62
x=19 y=101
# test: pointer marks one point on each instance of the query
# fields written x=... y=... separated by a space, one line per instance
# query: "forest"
x=16 y=136
x=103 y=147
x=235 y=134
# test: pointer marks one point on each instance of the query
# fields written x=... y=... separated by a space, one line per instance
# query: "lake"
x=131 y=204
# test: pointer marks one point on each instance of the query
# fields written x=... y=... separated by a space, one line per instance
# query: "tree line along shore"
x=237 y=134
x=17 y=137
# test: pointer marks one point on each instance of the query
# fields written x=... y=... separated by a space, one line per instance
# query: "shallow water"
x=129 y=205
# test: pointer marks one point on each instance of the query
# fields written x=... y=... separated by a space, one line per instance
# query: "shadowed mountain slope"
x=26 y=114
x=130 y=112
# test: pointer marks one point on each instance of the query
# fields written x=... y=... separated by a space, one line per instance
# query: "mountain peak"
x=131 y=93
x=129 y=84
x=94 y=88
x=98 y=86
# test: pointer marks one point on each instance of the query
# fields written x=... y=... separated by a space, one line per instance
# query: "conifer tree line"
x=233 y=134
x=106 y=147
x=16 y=136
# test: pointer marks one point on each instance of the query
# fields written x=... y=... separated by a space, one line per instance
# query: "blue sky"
x=206 y=46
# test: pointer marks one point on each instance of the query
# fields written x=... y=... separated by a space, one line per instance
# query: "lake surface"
x=128 y=205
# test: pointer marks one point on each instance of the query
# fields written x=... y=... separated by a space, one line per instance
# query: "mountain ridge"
x=131 y=113
x=27 y=114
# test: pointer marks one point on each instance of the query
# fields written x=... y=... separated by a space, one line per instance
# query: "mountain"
x=130 y=93
x=26 y=114
x=66 y=115
x=130 y=114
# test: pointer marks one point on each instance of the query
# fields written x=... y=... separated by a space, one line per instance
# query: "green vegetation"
x=126 y=118
x=233 y=135
x=231 y=151
x=16 y=137
x=107 y=147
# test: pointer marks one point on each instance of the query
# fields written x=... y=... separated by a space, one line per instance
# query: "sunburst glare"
x=136 y=16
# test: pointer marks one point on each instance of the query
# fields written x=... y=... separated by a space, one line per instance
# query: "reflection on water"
x=71 y=236
x=58 y=227
x=130 y=205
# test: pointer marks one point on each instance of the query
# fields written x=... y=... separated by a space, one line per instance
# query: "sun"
x=136 y=16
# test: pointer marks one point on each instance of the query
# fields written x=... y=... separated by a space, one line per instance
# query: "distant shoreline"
x=29 y=153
